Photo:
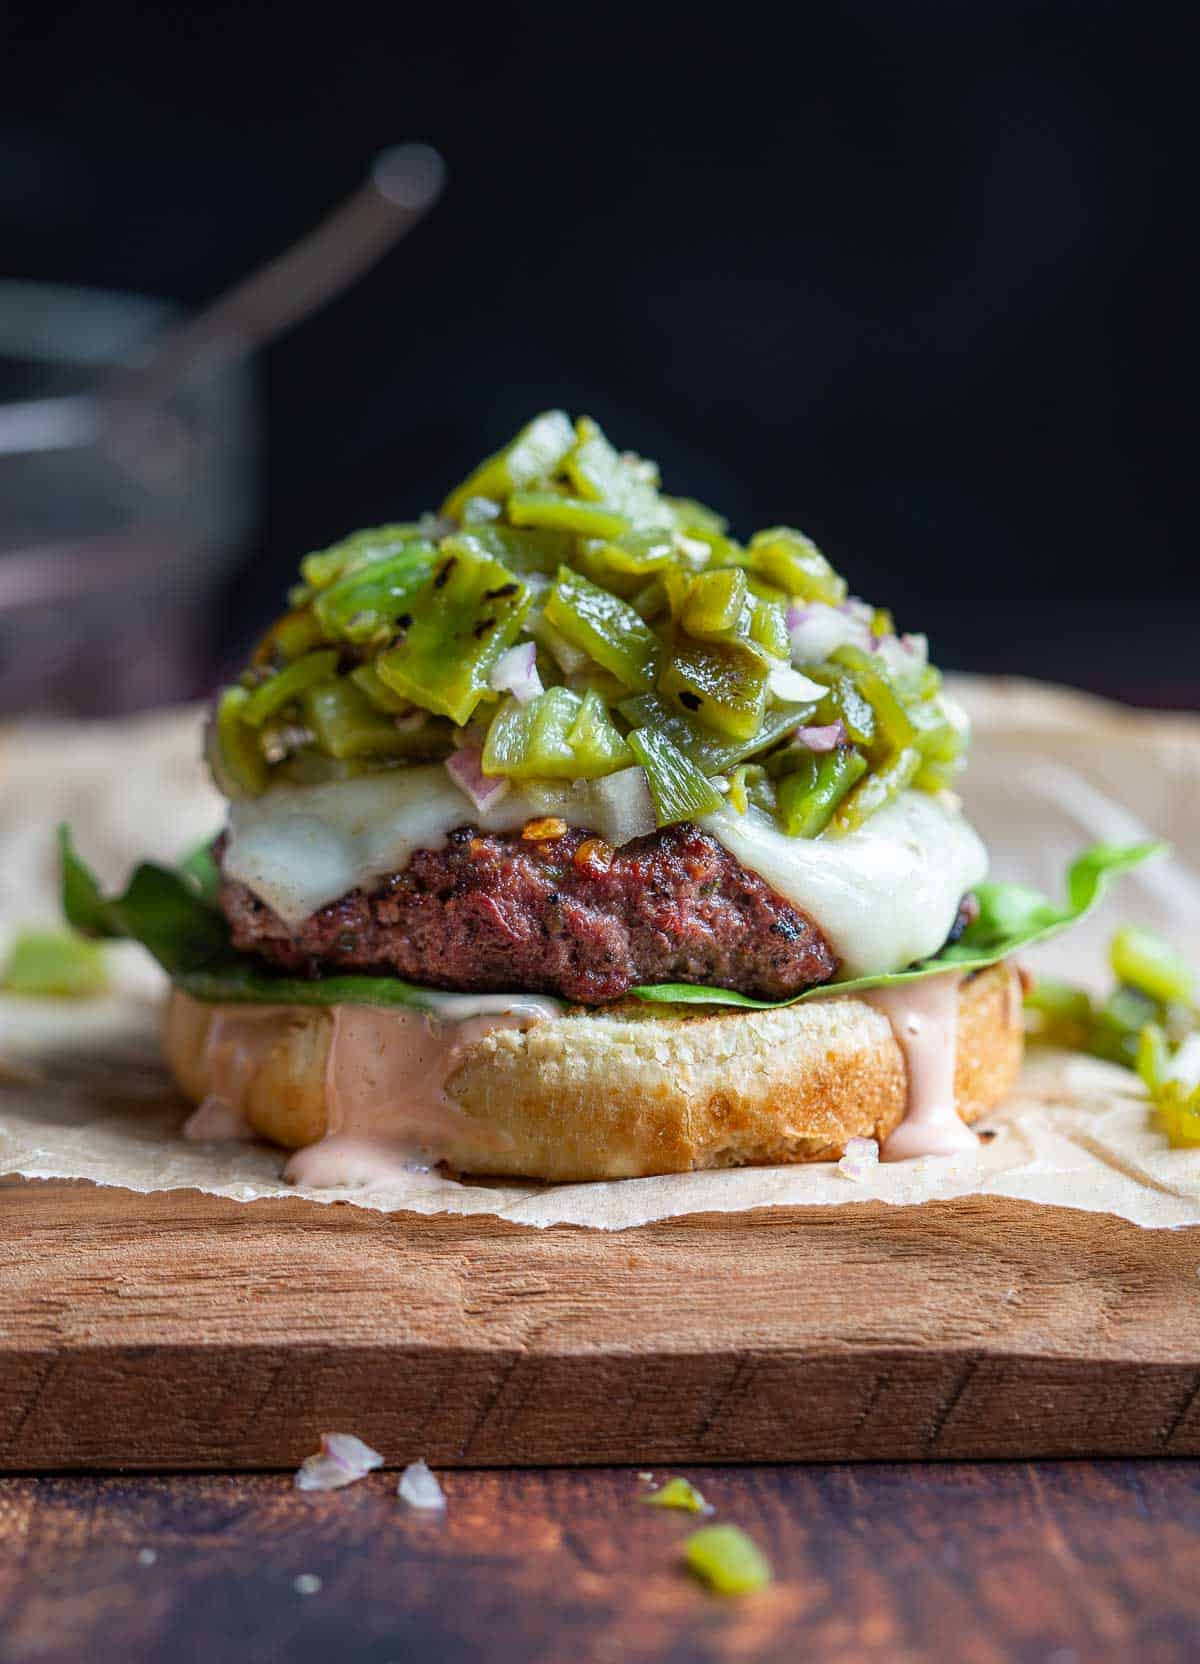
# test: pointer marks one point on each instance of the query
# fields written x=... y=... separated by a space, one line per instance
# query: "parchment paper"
x=83 y=1095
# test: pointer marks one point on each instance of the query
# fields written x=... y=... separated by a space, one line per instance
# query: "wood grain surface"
x=177 y=1330
x=1067 y=1563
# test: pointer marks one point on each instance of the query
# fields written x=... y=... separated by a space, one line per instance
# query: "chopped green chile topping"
x=290 y=637
x=286 y=685
x=567 y=514
x=54 y=963
x=526 y=548
x=604 y=627
x=370 y=600
x=659 y=637
x=722 y=684
x=877 y=789
x=1142 y=960
x=679 y=790
x=727 y=1560
x=536 y=452
x=457 y=627
x=557 y=736
x=893 y=728
x=1150 y=1022
x=678 y=1493
x=808 y=795
x=600 y=475
x=795 y=564
x=371 y=684
x=714 y=603
x=365 y=548
x=711 y=754
x=345 y=724
x=627 y=563
x=235 y=755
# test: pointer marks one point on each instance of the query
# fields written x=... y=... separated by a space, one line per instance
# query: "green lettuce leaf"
x=174 y=915
x=1011 y=916
x=205 y=875
x=243 y=980
x=163 y=910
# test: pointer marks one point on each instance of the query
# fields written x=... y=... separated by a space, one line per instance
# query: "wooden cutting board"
x=177 y=1330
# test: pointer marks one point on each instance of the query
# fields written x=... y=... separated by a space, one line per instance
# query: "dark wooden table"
x=1053 y=1563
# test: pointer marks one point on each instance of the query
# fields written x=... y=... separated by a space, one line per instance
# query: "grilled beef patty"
x=561 y=914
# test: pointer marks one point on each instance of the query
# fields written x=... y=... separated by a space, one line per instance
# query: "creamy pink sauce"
x=924 y=1020
x=238 y=1039
x=385 y=1092
x=388 y=1112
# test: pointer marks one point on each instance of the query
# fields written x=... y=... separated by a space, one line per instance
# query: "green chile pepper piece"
x=567 y=514
x=535 y=454
x=879 y=788
x=234 y=751
x=364 y=548
x=286 y=685
x=557 y=736
x=370 y=600
x=722 y=684
x=679 y=790
x=604 y=627
x=793 y=561
x=599 y=473
x=466 y=615
x=809 y=796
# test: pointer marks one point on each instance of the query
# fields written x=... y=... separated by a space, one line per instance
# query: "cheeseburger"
x=571 y=837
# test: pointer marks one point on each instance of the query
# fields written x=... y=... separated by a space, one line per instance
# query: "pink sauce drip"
x=389 y=1113
x=924 y=1019
x=237 y=1041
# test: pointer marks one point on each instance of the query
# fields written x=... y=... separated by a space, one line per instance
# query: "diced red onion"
x=694 y=554
x=478 y=511
x=419 y=1487
x=515 y=672
x=341 y=1460
x=570 y=659
x=435 y=526
x=465 y=769
x=955 y=715
x=816 y=631
x=789 y=684
x=860 y=1160
x=826 y=738
x=624 y=806
x=411 y=721
x=904 y=656
x=896 y=661
x=1185 y=1065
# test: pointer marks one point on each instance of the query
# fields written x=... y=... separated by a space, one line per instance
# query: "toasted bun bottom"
x=623 y=1092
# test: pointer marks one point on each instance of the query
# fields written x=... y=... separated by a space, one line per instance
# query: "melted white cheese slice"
x=882 y=896
x=299 y=847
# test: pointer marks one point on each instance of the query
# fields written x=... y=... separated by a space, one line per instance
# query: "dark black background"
x=912 y=276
